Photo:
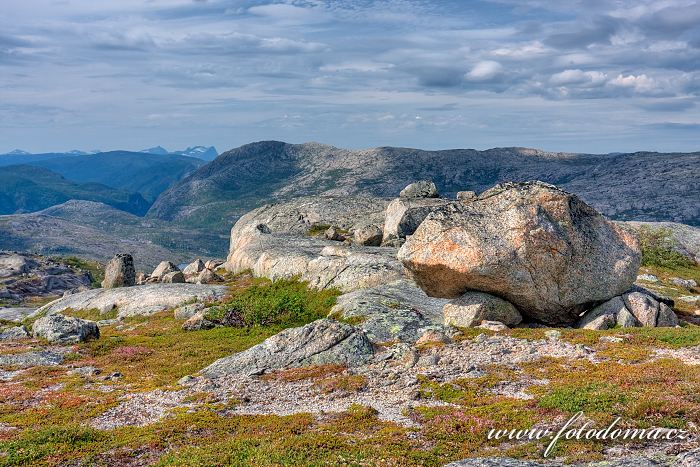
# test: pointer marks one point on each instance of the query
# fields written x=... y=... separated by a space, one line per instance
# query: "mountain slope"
x=637 y=186
x=148 y=174
x=25 y=188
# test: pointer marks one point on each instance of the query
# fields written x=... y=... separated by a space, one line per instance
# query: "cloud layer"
x=575 y=75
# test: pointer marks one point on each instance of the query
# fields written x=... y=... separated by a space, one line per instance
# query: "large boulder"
x=132 y=301
x=59 y=329
x=472 y=308
x=538 y=247
x=404 y=215
x=319 y=343
x=194 y=268
x=422 y=189
x=164 y=268
x=174 y=277
x=120 y=272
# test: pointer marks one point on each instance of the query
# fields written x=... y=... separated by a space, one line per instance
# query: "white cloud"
x=639 y=83
x=578 y=78
x=485 y=71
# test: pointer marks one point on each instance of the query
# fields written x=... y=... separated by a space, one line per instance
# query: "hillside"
x=641 y=186
x=148 y=174
x=25 y=188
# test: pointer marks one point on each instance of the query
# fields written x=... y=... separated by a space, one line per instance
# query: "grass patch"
x=285 y=302
x=592 y=397
x=657 y=247
x=317 y=230
x=93 y=314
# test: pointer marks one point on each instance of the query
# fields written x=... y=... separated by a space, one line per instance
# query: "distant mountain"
x=637 y=186
x=17 y=152
x=199 y=152
x=148 y=174
x=25 y=188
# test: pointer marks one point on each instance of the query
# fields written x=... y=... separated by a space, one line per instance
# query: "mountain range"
x=186 y=206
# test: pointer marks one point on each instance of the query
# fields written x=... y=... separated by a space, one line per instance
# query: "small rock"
x=14 y=333
x=647 y=278
x=368 y=235
x=59 y=329
x=493 y=326
x=552 y=334
x=208 y=277
x=175 y=277
x=427 y=360
x=213 y=264
x=422 y=189
x=690 y=298
x=186 y=380
x=466 y=196
x=472 y=308
x=687 y=283
x=611 y=339
x=85 y=371
x=197 y=323
x=194 y=268
x=432 y=337
x=333 y=233
x=113 y=376
x=187 y=311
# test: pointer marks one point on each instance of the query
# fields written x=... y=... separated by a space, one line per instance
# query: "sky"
x=566 y=75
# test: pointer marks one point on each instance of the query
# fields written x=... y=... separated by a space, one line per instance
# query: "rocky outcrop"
x=472 y=308
x=403 y=216
x=466 y=196
x=119 y=272
x=59 y=329
x=208 y=277
x=422 y=189
x=322 y=342
x=142 y=300
x=397 y=311
x=174 y=277
x=684 y=239
x=24 y=276
x=636 y=308
x=275 y=256
x=194 y=268
x=13 y=333
x=542 y=249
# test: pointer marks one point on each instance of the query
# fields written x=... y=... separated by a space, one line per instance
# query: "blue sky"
x=583 y=76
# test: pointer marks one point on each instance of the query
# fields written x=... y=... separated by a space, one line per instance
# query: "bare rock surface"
x=13 y=333
x=33 y=358
x=398 y=310
x=140 y=300
x=685 y=239
x=538 y=247
x=120 y=272
x=59 y=329
x=322 y=342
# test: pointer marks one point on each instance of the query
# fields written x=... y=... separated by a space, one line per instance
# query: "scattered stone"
x=186 y=380
x=333 y=233
x=113 y=376
x=552 y=334
x=119 y=272
x=466 y=196
x=59 y=329
x=141 y=278
x=165 y=267
x=368 y=235
x=175 y=277
x=14 y=333
x=213 y=264
x=322 y=342
x=422 y=189
x=611 y=339
x=85 y=371
x=690 y=298
x=493 y=326
x=197 y=323
x=633 y=309
x=647 y=278
x=604 y=316
x=686 y=283
x=542 y=249
x=472 y=308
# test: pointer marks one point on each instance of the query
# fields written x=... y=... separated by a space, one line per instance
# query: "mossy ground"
x=49 y=409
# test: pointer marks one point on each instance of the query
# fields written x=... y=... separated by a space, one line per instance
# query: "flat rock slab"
x=30 y=359
x=139 y=300
x=399 y=311
x=15 y=314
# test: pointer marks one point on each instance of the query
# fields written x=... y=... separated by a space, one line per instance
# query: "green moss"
x=93 y=314
x=593 y=397
x=286 y=302
x=657 y=249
